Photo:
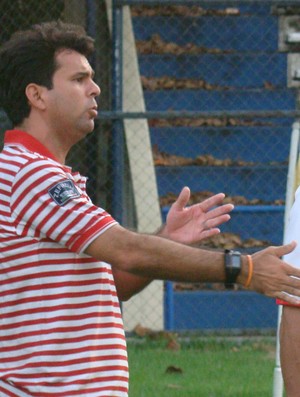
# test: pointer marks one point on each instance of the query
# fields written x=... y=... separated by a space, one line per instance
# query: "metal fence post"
x=117 y=105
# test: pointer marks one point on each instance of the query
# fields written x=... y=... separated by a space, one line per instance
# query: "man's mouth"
x=93 y=112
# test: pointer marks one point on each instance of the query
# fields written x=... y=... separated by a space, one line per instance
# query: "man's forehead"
x=72 y=60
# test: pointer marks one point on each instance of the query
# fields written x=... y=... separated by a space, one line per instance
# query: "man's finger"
x=220 y=211
x=293 y=300
x=182 y=199
x=218 y=220
x=212 y=201
x=209 y=233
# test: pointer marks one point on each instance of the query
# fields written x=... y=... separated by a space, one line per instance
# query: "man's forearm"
x=128 y=284
x=154 y=257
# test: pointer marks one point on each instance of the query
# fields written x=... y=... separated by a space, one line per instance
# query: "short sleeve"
x=47 y=203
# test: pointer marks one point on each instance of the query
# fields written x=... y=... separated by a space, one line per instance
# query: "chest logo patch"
x=63 y=192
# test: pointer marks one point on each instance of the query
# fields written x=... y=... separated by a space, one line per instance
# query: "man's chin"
x=89 y=128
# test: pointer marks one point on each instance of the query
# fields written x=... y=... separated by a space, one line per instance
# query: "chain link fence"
x=197 y=93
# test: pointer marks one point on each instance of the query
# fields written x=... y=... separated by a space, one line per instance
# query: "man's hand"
x=274 y=277
x=189 y=225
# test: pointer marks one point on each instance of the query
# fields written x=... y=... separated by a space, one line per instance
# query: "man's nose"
x=96 y=90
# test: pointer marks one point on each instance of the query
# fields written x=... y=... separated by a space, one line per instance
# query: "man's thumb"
x=183 y=198
x=285 y=249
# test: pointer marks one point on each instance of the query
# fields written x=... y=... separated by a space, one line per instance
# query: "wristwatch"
x=233 y=265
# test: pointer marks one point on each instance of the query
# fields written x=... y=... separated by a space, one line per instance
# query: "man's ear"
x=34 y=93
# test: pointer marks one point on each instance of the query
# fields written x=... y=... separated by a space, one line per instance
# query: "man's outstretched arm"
x=185 y=224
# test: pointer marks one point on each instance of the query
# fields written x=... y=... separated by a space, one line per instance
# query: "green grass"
x=206 y=367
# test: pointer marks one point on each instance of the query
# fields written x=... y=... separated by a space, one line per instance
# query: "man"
x=290 y=322
x=66 y=263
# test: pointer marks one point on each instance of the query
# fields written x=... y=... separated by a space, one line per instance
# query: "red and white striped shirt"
x=61 y=331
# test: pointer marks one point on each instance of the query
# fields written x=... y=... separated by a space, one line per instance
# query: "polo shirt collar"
x=28 y=142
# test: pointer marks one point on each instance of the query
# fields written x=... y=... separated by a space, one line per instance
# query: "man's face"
x=71 y=102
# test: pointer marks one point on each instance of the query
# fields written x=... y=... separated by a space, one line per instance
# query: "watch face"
x=236 y=261
x=233 y=262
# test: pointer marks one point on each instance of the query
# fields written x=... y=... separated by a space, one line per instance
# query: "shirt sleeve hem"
x=87 y=238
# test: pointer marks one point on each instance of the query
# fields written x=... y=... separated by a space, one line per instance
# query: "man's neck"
x=47 y=139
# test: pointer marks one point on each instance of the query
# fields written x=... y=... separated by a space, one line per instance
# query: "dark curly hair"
x=30 y=57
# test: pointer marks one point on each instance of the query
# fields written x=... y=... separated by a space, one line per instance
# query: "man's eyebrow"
x=85 y=74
